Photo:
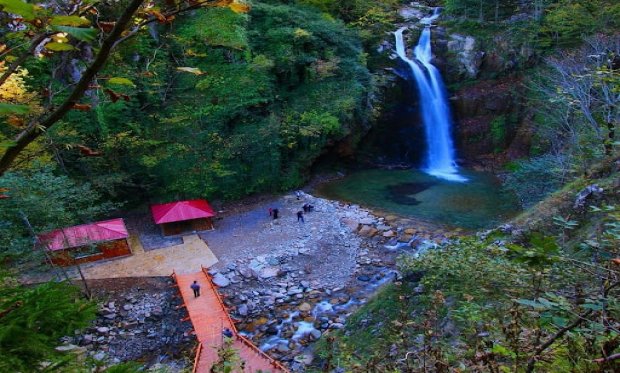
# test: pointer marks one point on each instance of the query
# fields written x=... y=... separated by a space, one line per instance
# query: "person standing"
x=196 y=288
x=275 y=213
x=300 y=216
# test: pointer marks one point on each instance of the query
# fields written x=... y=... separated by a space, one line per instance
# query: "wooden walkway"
x=209 y=317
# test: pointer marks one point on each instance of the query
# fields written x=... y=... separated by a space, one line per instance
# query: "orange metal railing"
x=241 y=338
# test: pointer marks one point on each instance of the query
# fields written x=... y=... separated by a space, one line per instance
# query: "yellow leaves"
x=15 y=99
x=15 y=121
x=14 y=89
x=192 y=53
x=300 y=33
x=59 y=47
x=239 y=7
x=234 y=5
x=121 y=81
x=191 y=70
x=155 y=13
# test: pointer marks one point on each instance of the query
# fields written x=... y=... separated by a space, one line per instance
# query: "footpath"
x=209 y=317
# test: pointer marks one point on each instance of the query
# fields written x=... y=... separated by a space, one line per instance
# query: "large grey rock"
x=243 y=310
x=315 y=334
x=468 y=55
x=221 y=280
x=268 y=272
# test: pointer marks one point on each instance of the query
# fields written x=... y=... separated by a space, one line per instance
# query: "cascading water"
x=433 y=101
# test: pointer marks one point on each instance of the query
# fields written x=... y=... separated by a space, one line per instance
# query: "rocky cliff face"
x=486 y=86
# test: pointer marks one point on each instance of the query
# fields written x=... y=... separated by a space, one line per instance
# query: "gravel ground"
x=328 y=248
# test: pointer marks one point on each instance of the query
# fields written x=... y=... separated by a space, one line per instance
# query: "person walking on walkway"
x=196 y=288
x=300 y=216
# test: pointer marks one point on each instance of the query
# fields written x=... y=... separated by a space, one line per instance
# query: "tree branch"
x=532 y=360
x=34 y=130
x=21 y=59
x=608 y=358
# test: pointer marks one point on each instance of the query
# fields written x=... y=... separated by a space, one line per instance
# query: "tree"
x=587 y=82
x=48 y=202
x=65 y=30
x=32 y=319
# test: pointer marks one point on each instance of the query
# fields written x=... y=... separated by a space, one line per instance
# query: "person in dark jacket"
x=275 y=213
x=300 y=216
x=196 y=288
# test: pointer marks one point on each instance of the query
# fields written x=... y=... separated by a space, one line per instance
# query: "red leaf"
x=113 y=95
x=106 y=26
x=81 y=107
x=88 y=152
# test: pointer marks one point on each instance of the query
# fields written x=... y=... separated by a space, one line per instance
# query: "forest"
x=107 y=107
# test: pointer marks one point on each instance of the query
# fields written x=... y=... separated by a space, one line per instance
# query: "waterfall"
x=433 y=102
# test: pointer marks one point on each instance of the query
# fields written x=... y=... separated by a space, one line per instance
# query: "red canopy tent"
x=87 y=242
x=181 y=216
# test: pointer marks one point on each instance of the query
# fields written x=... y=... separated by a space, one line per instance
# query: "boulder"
x=389 y=234
x=221 y=280
x=468 y=55
x=314 y=334
x=268 y=272
x=247 y=272
x=242 y=310
x=353 y=225
x=367 y=231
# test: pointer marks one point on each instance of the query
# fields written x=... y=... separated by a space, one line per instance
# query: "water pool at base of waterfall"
x=478 y=203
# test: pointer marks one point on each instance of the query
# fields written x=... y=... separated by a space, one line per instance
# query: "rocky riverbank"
x=138 y=320
x=285 y=298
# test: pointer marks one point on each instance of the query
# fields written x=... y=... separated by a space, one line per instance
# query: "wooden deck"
x=209 y=317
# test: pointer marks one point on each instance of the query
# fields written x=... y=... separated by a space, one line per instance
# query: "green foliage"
x=225 y=105
x=498 y=133
x=371 y=18
x=129 y=367
x=568 y=21
x=229 y=360
x=535 y=178
x=216 y=27
x=489 y=303
x=48 y=201
x=33 y=320
x=482 y=10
